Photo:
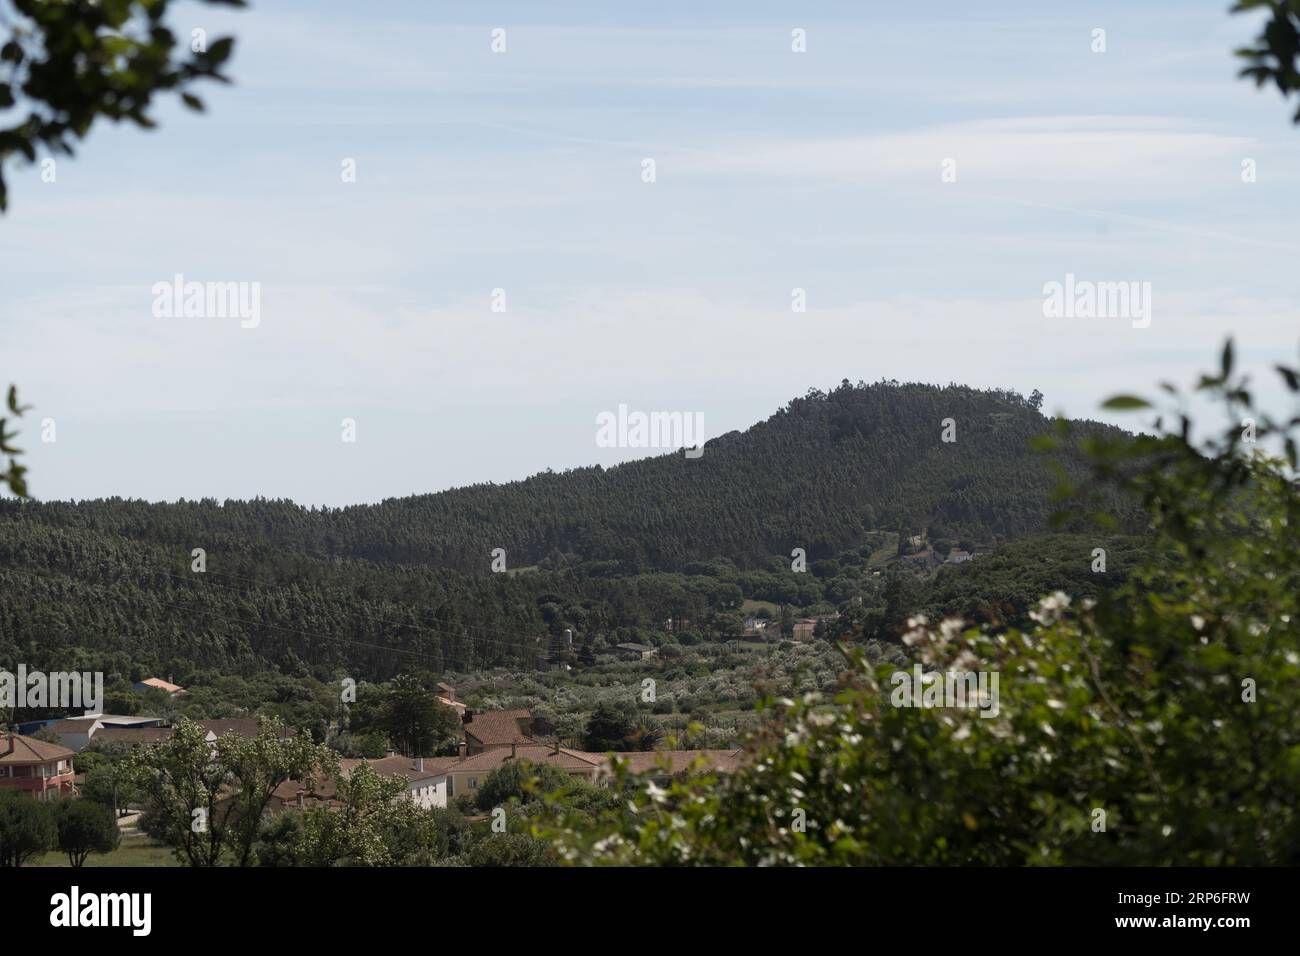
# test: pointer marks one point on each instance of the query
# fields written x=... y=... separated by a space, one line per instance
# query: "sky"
x=921 y=171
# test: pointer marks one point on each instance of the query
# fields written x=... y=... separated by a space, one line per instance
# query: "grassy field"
x=134 y=851
x=886 y=551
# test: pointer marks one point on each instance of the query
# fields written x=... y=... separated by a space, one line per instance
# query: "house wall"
x=80 y=739
x=45 y=782
x=429 y=793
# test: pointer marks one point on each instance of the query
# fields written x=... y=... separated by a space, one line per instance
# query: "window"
x=473 y=783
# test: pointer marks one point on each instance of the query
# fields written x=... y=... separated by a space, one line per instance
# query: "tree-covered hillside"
x=611 y=553
x=817 y=474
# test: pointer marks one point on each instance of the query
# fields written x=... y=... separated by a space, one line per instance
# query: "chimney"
x=419 y=764
x=557 y=746
x=568 y=636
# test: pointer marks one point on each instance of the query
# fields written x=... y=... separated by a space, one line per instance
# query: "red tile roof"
x=490 y=760
x=161 y=684
x=19 y=750
x=404 y=767
x=496 y=728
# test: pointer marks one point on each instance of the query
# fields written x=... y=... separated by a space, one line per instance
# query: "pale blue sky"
x=522 y=171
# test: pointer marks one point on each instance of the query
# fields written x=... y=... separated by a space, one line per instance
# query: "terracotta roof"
x=490 y=760
x=403 y=767
x=161 y=684
x=323 y=789
x=28 y=750
x=675 y=761
x=500 y=727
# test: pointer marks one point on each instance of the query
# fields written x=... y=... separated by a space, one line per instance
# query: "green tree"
x=26 y=827
x=374 y=825
x=85 y=827
x=608 y=728
x=520 y=781
x=183 y=787
x=257 y=766
x=110 y=783
x=508 y=849
x=416 y=724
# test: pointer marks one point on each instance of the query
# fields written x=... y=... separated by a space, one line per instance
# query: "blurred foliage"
x=68 y=63
x=14 y=474
x=1276 y=50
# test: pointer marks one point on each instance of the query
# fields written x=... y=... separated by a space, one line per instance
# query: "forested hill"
x=370 y=590
x=816 y=475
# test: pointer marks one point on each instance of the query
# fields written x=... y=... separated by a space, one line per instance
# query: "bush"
x=520 y=781
x=508 y=849
x=85 y=827
x=27 y=827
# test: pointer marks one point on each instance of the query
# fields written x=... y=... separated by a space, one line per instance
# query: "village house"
x=499 y=738
x=467 y=774
x=42 y=769
x=77 y=732
x=958 y=556
x=157 y=683
x=425 y=779
x=433 y=782
x=924 y=559
x=500 y=728
x=804 y=628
